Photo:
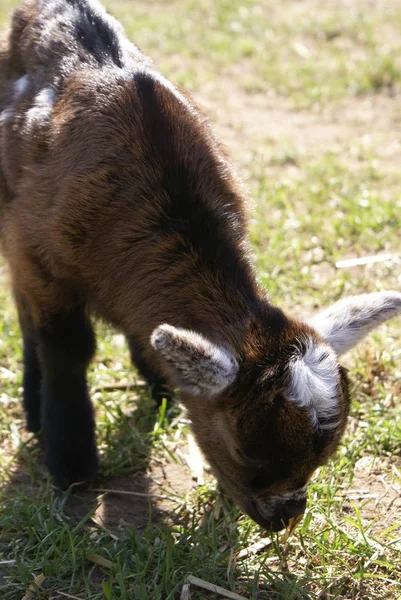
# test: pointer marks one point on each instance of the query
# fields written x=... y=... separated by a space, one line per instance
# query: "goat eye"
x=260 y=480
x=279 y=399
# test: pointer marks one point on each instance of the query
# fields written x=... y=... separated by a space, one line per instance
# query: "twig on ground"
x=361 y=496
x=363 y=260
x=261 y=545
x=109 y=387
x=140 y=494
x=99 y=560
x=186 y=592
x=213 y=588
x=33 y=589
x=7 y=562
x=69 y=595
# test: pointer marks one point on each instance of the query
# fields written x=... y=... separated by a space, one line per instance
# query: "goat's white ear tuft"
x=314 y=379
x=345 y=323
x=200 y=367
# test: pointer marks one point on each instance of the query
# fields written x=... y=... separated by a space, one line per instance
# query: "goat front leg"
x=158 y=384
x=32 y=372
x=66 y=346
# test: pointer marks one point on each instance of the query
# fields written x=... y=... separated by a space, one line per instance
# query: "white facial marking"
x=203 y=368
x=314 y=380
x=20 y=87
x=39 y=114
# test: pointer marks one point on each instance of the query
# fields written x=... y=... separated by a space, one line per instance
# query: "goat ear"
x=200 y=367
x=345 y=323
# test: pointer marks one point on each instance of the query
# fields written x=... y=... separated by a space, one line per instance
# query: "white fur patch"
x=40 y=112
x=6 y=116
x=203 y=368
x=345 y=323
x=314 y=381
x=20 y=87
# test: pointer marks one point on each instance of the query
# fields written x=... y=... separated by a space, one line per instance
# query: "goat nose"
x=275 y=515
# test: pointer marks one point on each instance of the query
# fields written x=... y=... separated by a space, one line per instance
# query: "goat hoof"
x=33 y=424
x=72 y=469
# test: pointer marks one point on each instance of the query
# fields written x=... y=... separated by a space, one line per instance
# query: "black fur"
x=96 y=32
x=157 y=383
x=186 y=212
x=66 y=347
x=31 y=383
x=83 y=33
x=32 y=373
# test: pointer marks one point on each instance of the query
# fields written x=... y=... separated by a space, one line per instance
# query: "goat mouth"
x=250 y=507
x=272 y=525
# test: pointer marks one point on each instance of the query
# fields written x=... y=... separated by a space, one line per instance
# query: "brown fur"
x=88 y=215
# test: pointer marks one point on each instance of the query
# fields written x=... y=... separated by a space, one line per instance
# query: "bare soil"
x=247 y=121
x=123 y=507
x=376 y=490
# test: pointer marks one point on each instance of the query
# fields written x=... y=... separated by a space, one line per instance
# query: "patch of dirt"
x=164 y=489
x=247 y=122
x=376 y=490
x=155 y=495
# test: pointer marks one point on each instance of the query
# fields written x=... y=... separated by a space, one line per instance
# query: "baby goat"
x=116 y=200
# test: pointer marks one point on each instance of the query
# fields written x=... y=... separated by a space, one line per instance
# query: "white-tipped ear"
x=345 y=323
x=200 y=367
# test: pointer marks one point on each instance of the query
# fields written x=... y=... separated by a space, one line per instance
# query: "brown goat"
x=115 y=200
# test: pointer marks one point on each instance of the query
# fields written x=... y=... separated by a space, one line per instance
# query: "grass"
x=313 y=201
x=307 y=52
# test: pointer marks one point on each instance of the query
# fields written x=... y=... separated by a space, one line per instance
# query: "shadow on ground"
x=151 y=492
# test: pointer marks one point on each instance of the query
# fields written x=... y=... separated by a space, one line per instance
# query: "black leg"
x=32 y=373
x=66 y=346
x=157 y=383
x=32 y=383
